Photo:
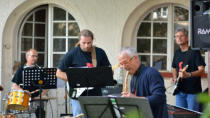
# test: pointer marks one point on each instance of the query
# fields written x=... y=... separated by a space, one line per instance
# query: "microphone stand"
x=40 y=102
x=40 y=84
x=66 y=107
x=66 y=99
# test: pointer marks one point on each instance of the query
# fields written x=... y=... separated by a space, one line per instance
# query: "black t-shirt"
x=193 y=59
x=18 y=77
x=78 y=58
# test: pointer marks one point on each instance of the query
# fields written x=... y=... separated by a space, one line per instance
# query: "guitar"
x=74 y=93
x=178 y=80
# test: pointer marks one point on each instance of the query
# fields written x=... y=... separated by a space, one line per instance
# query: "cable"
x=168 y=89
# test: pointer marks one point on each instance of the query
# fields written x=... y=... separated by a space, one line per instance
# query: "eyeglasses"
x=124 y=62
x=33 y=56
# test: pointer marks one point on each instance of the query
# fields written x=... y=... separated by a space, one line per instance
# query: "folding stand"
x=114 y=107
x=39 y=78
x=66 y=107
x=89 y=77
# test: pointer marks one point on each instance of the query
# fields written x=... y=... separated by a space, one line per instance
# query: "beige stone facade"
x=114 y=23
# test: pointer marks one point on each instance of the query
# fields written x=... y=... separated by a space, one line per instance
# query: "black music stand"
x=90 y=77
x=39 y=78
x=114 y=107
x=33 y=75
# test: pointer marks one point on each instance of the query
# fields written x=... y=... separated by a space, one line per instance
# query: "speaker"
x=200 y=24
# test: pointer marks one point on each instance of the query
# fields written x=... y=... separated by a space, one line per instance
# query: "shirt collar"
x=140 y=69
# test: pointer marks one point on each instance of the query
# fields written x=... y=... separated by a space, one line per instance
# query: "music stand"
x=114 y=107
x=90 y=77
x=39 y=78
x=31 y=77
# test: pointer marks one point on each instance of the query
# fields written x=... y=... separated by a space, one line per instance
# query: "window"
x=155 y=36
x=33 y=34
x=52 y=31
x=65 y=31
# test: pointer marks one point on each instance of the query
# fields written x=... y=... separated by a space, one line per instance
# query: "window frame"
x=24 y=21
x=66 y=37
x=170 y=35
x=48 y=52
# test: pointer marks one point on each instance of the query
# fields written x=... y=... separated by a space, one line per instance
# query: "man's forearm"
x=61 y=75
x=174 y=74
x=198 y=72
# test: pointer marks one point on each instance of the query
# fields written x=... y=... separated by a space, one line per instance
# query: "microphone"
x=37 y=66
x=33 y=66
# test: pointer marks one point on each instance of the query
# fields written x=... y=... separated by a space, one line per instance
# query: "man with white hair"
x=145 y=83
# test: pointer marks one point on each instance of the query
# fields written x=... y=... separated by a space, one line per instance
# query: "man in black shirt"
x=83 y=56
x=190 y=83
x=17 y=81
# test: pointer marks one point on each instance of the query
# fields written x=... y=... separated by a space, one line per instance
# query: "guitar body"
x=74 y=93
x=176 y=88
x=178 y=82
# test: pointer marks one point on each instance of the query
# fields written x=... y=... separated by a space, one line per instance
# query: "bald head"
x=31 y=57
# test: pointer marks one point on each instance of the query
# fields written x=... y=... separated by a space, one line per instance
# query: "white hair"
x=130 y=51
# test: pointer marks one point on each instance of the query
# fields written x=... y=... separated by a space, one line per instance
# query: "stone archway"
x=11 y=29
x=131 y=25
x=10 y=40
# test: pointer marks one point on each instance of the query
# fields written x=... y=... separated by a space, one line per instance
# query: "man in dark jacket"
x=145 y=83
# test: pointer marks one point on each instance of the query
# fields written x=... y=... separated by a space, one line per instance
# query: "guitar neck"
x=178 y=78
x=183 y=70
